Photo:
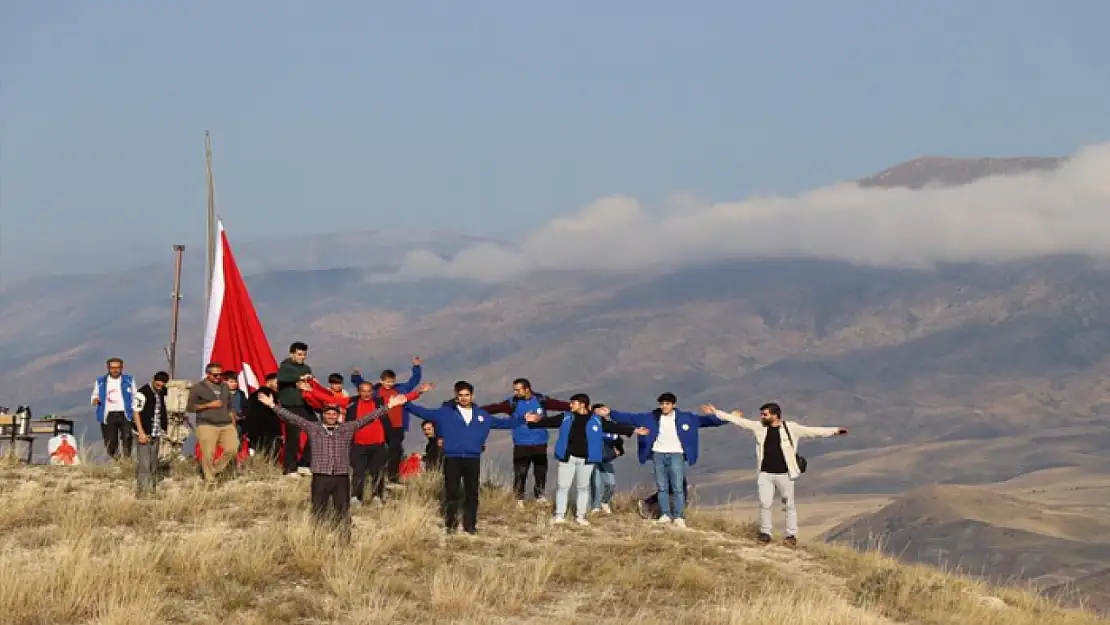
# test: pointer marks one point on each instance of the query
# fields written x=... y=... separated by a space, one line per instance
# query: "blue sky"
x=494 y=117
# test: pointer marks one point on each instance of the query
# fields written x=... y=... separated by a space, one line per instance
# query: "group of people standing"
x=351 y=445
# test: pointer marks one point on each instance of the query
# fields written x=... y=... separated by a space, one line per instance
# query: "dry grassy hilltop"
x=78 y=547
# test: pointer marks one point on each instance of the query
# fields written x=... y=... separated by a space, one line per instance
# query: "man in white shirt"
x=113 y=395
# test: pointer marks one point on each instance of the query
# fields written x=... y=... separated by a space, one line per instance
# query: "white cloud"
x=992 y=219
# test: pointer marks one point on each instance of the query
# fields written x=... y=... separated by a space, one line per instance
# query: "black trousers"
x=534 y=456
x=368 y=459
x=395 y=441
x=460 y=485
x=293 y=440
x=116 y=431
x=331 y=501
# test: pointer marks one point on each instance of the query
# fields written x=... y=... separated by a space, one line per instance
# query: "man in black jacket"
x=150 y=423
x=291 y=373
x=433 y=450
x=260 y=424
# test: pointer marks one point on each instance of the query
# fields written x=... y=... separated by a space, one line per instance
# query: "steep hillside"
x=83 y=549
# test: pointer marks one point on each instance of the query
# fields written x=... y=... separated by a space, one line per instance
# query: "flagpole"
x=171 y=352
x=211 y=222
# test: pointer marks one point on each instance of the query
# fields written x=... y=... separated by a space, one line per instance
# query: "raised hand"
x=356 y=372
x=397 y=400
x=842 y=432
x=708 y=409
x=602 y=412
x=532 y=417
x=642 y=431
x=417 y=361
x=425 y=387
x=266 y=400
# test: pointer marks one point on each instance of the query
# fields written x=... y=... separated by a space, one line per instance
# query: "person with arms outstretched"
x=397 y=423
x=368 y=451
x=464 y=428
x=529 y=444
x=776 y=450
x=579 y=448
x=331 y=457
x=672 y=446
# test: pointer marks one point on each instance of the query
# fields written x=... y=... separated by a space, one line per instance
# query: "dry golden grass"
x=78 y=547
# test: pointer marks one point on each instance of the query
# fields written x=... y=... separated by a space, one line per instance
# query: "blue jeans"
x=603 y=484
x=670 y=473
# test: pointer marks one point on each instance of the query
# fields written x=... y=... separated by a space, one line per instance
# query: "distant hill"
x=951 y=172
x=984 y=533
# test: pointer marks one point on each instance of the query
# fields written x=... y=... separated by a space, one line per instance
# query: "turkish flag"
x=233 y=335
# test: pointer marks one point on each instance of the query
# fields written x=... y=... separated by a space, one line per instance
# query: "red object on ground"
x=412 y=466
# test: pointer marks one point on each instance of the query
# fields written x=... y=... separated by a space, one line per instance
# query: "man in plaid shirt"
x=331 y=457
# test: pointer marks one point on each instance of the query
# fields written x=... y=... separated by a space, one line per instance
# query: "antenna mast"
x=171 y=351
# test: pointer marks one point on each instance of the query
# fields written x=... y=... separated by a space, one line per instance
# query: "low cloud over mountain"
x=998 y=217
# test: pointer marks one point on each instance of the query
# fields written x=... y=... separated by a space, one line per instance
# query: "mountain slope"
x=950 y=172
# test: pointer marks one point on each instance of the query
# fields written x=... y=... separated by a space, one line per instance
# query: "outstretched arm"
x=414 y=379
x=736 y=417
x=291 y=417
x=809 y=431
x=710 y=421
x=551 y=421
x=427 y=414
x=611 y=427
x=639 y=419
x=550 y=403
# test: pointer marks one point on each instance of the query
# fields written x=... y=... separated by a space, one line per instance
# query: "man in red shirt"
x=369 y=452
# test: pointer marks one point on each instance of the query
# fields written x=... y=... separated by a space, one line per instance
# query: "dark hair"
x=161 y=376
x=429 y=423
x=463 y=385
x=772 y=408
x=230 y=374
x=335 y=378
x=298 y=346
x=523 y=382
x=582 y=397
x=596 y=406
x=669 y=397
x=212 y=365
x=113 y=359
x=331 y=407
x=366 y=383
x=271 y=376
x=388 y=374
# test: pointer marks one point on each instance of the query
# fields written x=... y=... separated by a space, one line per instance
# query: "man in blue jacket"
x=464 y=429
x=529 y=445
x=672 y=446
x=113 y=395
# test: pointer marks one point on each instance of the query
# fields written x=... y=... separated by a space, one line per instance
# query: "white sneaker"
x=558 y=521
x=355 y=502
x=680 y=523
x=293 y=474
x=542 y=501
x=663 y=520
x=595 y=511
x=606 y=509
x=582 y=521
x=304 y=471
x=520 y=503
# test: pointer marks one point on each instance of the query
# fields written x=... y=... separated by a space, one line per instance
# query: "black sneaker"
x=790 y=541
x=764 y=539
x=452 y=530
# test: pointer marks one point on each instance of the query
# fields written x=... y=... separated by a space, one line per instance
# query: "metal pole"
x=178 y=251
x=211 y=230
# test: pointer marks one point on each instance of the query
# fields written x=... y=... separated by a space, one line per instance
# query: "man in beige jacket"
x=776 y=453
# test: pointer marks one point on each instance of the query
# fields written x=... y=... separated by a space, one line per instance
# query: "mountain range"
x=958 y=374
